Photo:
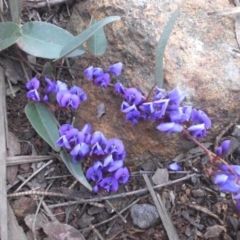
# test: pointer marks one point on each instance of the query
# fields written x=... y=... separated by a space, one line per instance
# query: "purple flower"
x=79 y=92
x=63 y=142
x=132 y=114
x=103 y=80
x=81 y=150
x=133 y=96
x=112 y=165
x=220 y=177
x=159 y=93
x=109 y=184
x=229 y=186
x=170 y=127
x=66 y=99
x=235 y=168
x=176 y=97
x=180 y=114
x=51 y=86
x=148 y=110
x=74 y=136
x=198 y=130
x=60 y=86
x=160 y=107
x=33 y=95
x=99 y=143
x=122 y=175
x=119 y=88
x=65 y=128
x=88 y=72
x=95 y=172
x=45 y=98
x=114 y=145
x=199 y=116
x=223 y=149
x=33 y=84
x=86 y=131
x=116 y=68
x=174 y=167
x=97 y=72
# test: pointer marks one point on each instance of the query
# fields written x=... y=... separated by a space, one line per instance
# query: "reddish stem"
x=149 y=94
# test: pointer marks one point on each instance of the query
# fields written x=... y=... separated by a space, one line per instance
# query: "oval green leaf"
x=161 y=48
x=45 y=40
x=75 y=169
x=43 y=122
x=97 y=43
x=10 y=33
x=84 y=36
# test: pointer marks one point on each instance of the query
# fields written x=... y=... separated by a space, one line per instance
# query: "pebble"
x=144 y=215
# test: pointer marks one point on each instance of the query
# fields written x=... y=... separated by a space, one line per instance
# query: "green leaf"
x=15 y=11
x=10 y=33
x=75 y=169
x=97 y=43
x=85 y=35
x=43 y=122
x=45 y=40
x=161 y=48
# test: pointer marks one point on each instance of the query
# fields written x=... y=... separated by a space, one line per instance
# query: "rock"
x=85 y=220
x=198 y=193
x=144 y=215
x=94 y=210
x=199 y=59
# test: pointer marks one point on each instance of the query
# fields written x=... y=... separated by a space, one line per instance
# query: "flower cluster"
x=164 y=108
x=100 y=77
x=108 y=169
x=65 y=97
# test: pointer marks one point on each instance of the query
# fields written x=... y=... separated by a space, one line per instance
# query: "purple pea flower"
x=116 y=69
x=95 y=172
x=33 y=95
x=174 y=167
x=109 y=184
x=223 y=149
x=88 y=72
x=159 y=93
x=122 y=175
x=133 y=96
x=160 y=107
x=102 y=80
x=51 y=86
x=99 y=143
x=198 y=130
x=97 y=72
x=170 y=127
x=60 y=86
x=221 y=177
x=112 y=165
x=199 y=116
x=63 y=142
x=119 y=88
x=132 y=114
x=34 y=83
x=67 y=99
x=180 y=114
x=79 y=92
x=45 y=98
x=74 y=136
x=235 y=168
x=114 y=145
x=148 y=110
x=229 y=186
x=80 y=150
x=176 y=97
x=65 y=128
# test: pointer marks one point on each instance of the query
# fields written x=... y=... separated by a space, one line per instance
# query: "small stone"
x=144 y=215
x=94 y=210
x=85 y=220
x=188 y=191
x=198 y=193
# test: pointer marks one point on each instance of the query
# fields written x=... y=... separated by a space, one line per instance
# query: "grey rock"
x=94 y=210
x=85 y=220
x=144 y=215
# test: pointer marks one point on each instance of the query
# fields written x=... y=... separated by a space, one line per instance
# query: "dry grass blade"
x=3 y=191
x=11 y=161
x=225 y=12
x=166 y=220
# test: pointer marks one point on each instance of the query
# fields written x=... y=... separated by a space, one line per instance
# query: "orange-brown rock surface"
x=199 y=59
